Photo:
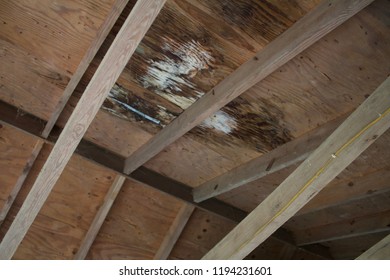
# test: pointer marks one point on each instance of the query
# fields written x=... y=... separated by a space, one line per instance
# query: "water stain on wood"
x=124 y=104
x=256 y=125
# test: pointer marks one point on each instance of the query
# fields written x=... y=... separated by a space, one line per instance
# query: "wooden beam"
x=174 y=232
x=380 y=251
x=308 y=30
x=362 y=128
x=105 y=28
x=348 y=191
x=378 y=222
x=150 y=178
x=283 y=156
x=128 y=38
x=15 y=190
x=100 y=217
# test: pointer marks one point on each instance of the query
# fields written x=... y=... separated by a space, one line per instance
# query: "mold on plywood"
x=173 y=72
x=122 y=103
x=259 y=126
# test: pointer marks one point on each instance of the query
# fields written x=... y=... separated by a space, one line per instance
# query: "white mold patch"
x=220 y=121
x=171 y=74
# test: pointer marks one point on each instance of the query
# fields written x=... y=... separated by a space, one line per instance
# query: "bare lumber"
x=128 y=38
x=109 y=22
x=174 y=232
x=370 y=120
x=15 y=190
x=312 y=27
x=380 y=251
x=357 y=226
x=283 y=156
x=100 y=217
x=149 y=178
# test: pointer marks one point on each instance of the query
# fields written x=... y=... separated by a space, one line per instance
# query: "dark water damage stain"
x=124 y=104
x=256 y=125
x=256 y=18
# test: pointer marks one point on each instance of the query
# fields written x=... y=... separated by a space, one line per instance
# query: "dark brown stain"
x=256 y=18
x=125 y=96
x=258 y=126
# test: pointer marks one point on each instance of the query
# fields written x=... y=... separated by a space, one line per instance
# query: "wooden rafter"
x=380 y=251
x=105 y=28
x=100 y=217
x=284 y=156
x=308 y=30
x=128 y=38
x=174 y=232
x=351 y=138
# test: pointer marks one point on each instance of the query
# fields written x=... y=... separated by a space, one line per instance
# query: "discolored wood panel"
x=41 y=45
x=136 y=224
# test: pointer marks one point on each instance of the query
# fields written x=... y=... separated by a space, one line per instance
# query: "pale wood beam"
x=100 y=217
x=105 y=28
x=308 y=30
x=109 y=22
x=351 y=138
x=283 y=156
x=174 y=232
x=116 y=58
x=380 y=251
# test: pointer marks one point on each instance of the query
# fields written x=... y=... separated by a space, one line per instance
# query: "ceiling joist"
x=380 y=251
x=370 y=120
x=132 y=32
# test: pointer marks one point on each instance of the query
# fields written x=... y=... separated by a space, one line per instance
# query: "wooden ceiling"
x=219 y=105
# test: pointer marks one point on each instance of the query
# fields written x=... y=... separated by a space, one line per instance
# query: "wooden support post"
x=308 y=30
x=128 y=38
x=362 y=128
x=100 y=217
x=380 y=251
x=174 y=232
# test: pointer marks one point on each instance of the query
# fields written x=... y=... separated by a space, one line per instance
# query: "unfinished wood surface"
x=100 y=217
x=380 y=251
x=135 y=225
x=41 y=46
x=15 y=150
x=16 y=188
x=357 y=226
x=300 y=36
x=63 y=221
x=283 y=156
x=174 y=232
x=355 y=188
x=134 y=29
x=101 y=34
x=354 y=135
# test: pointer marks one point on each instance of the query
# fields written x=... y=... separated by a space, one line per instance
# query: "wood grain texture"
x=350 y=139
x=283 y=156
x=174 y=232
x=136 y=224
x=380 y=251
x=300 y=36
x=357 y=226
x=101 y=34
x=63 y=220
x=134 y=29
x=16 y=188
x=100 y=217
x=42 y=43
x=15 y=150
